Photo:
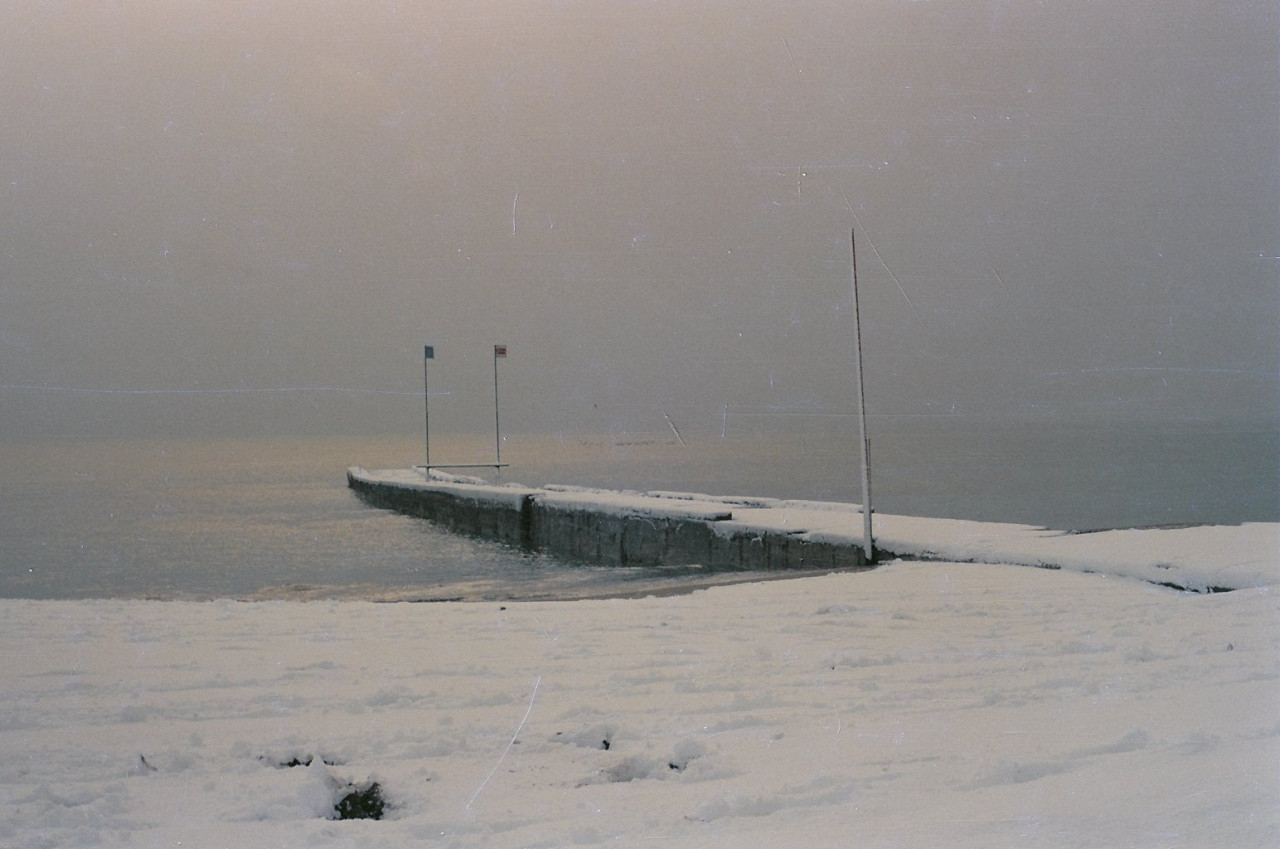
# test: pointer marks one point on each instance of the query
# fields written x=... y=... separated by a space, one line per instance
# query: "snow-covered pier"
x=628 y=528
x=747 y=533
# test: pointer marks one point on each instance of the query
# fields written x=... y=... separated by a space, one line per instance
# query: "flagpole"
x=867 y=547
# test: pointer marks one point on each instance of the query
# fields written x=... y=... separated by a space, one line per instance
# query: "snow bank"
x=1196 y=558
x=920 y=704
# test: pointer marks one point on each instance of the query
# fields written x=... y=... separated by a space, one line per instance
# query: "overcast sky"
x=251 y=216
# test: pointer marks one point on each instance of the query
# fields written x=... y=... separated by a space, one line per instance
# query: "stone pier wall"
x=473 y=515
x=573 y=527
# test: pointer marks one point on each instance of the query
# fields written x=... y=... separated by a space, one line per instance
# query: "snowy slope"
x=920 y=704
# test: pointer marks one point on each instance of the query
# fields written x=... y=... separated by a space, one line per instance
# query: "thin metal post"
x=499 y=351
x=867 y=546
x=428 y=353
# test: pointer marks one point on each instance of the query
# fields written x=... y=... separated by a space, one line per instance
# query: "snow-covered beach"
x=919 y=704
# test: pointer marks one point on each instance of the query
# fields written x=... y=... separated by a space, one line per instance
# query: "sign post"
x=867 y=547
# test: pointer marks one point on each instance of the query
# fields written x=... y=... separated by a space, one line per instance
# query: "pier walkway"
x=746 y=533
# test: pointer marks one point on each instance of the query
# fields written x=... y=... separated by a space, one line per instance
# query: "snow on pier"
x=751 y=533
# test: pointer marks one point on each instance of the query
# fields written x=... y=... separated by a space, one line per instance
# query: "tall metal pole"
x=867 y=546
x=428 y=353
x=498 y=351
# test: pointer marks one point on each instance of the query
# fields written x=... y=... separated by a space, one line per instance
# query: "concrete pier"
x=628 y=528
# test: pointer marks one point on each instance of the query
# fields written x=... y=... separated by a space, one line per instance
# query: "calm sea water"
x=274 y=518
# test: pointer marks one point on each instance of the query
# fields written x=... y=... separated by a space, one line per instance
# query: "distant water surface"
x=274 y=518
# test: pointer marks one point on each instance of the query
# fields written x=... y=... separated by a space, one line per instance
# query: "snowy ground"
x=920 y=704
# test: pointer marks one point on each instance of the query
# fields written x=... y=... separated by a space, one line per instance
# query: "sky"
x=250 y=217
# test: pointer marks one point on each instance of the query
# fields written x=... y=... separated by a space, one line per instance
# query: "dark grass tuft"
x=362 y=803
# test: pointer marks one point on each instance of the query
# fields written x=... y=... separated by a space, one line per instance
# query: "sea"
x=273 y=518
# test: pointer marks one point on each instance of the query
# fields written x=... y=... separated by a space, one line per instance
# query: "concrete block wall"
x=606 y=537
x=471 y=515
